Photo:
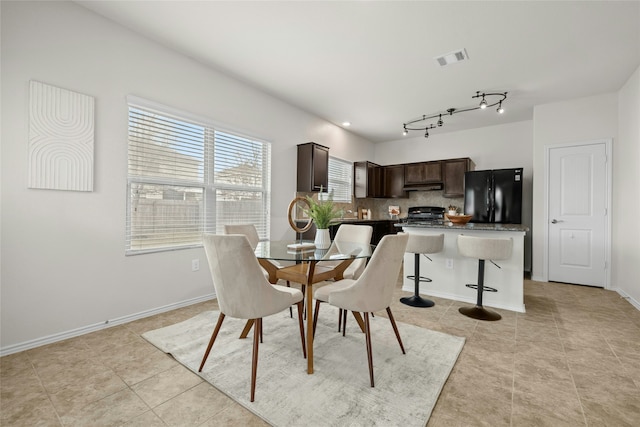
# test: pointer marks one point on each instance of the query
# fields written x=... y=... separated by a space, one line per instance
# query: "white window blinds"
x=340 y=179
x=186 y=178
x=242 y=177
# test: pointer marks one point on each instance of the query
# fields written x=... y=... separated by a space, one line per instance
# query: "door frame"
x=608 y=142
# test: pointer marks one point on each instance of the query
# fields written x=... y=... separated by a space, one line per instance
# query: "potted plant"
x=322 y=212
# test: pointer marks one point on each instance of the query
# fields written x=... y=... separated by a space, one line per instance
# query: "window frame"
x=208 y=185
x=348 y=167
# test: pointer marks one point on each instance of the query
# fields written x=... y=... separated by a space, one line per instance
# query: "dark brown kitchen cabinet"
x=313 y=167
x=453 y=176
x=394 y=182
x=367 y=180
x=422 y=173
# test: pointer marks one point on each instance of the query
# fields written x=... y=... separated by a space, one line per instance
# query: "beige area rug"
x=338 y=393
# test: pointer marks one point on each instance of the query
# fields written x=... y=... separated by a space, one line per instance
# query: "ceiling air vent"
x=451 y=57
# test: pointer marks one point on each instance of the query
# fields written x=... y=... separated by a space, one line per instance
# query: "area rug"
x=338 y=393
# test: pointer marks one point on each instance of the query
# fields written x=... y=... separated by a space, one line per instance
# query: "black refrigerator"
x=494 y=196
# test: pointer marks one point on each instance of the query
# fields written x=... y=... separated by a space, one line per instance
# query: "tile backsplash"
x=380 y=207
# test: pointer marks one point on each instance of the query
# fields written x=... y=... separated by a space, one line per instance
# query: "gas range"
x=424 y=215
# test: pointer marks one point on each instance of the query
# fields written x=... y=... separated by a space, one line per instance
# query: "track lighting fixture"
x=423 y=122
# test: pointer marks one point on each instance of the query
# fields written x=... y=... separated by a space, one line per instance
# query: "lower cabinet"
x=380 y=229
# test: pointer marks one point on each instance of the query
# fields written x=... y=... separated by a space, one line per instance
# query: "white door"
x=577 y=214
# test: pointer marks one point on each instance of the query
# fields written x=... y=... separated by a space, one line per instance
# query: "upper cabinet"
x=393 y=182
x=313 y=167
x=366 y=180
x=422 y=173
x=453 y=176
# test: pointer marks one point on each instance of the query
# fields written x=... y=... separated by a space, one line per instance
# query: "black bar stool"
x=421 y=244
x=482 y=248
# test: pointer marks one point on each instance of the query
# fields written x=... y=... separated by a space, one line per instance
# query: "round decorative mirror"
x=291 y=211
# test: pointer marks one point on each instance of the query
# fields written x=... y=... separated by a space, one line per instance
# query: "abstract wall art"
x=61 y=138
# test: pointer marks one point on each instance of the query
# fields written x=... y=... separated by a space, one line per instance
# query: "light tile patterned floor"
x=572 y=360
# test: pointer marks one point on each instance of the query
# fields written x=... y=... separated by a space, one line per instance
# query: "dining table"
x=306 y=264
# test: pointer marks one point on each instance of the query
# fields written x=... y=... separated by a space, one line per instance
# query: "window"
x=340 y=179
x=187 y=177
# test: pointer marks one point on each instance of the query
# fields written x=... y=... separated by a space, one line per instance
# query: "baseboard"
x=628 y=297
x=538 y=279
x=27 y=345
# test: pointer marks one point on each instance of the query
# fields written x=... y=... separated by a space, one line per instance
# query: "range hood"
x=423 y=187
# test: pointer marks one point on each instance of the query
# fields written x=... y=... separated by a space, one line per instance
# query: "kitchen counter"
x=451 y=272
x=468 y=226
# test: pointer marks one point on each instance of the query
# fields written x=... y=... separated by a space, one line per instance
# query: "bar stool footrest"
x=485 y=288
x=422 y=278
x=480 y=313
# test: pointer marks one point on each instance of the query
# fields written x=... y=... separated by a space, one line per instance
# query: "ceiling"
x=372 y=63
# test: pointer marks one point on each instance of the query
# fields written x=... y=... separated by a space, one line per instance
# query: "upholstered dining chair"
x=372 y=291
x=243 y=292
x=349 y=233
x=249 y=230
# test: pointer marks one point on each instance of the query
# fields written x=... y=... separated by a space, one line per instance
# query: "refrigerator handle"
x=489 y=201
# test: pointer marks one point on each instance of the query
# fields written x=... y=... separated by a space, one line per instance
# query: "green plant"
x=322 y=211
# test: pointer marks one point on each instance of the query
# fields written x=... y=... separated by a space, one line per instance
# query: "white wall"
x=626 y=196
x=492 y=147
x=63 y=265
x=584 y=119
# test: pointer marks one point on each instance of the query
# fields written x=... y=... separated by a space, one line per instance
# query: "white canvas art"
x=61 y=137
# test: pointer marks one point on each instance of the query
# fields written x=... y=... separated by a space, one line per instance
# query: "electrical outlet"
x=195 y=264
x=449 y=263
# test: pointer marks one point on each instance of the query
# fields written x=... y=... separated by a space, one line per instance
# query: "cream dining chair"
x=244 y=293
x=349 y=233
x=249 y=230
x=372 y=291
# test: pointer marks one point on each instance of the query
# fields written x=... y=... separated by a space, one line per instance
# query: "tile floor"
x=572 y=360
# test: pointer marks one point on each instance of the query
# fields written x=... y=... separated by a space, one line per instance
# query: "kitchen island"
x=450 y=272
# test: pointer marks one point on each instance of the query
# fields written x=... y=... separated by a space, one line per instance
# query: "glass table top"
x=281 y=251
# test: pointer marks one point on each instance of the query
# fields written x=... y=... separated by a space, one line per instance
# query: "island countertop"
x=468 y=226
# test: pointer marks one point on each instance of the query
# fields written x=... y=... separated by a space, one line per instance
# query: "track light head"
x=440 y=122
x=483 y=103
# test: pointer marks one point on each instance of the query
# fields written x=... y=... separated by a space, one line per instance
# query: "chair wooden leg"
x=315 y=316
x=247 y=328
x=257 y=331
x=367 y=332
x=395 y=328
x=304 y=344
x=344 y=322
x=290 y=309
x=212 y=340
